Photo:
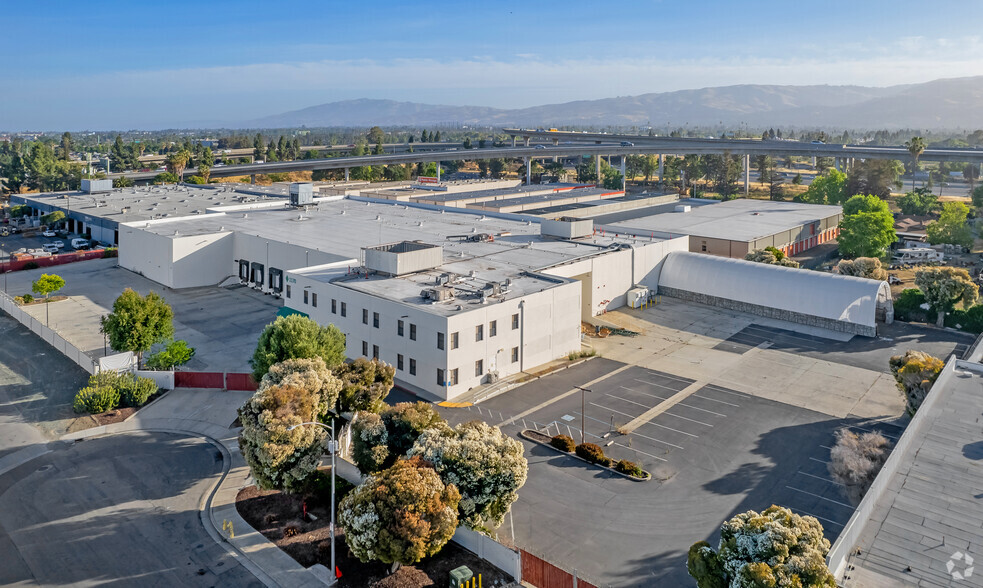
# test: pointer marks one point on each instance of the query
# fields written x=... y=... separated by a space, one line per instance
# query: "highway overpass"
x=249 y=152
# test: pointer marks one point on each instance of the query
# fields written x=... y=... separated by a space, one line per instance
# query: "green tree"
x=378 y=440
x=951 y=226
x=400 y=515
x=723 y=171
x=66 y=146
x=862 y=267
x=47 y=284
x=365 y=383
x=175 y=353
x=297 y=337
x=920 y=201
x=867 y=228
x=486 y=465
x=376 y=135
x=915 y=146
x=123 y=182
x=52 y=217
x=587 y=171
x=205 y=163
x=915 y=372
x=496 y=167
x=613 y=180
x=771 y=256
x=775 y=548
x=874 y=176
x=828 y=187
x=177 y=161
x=138 y=322
x=943 y=287
x=310 y=374
x=166 y=178
x=978 y=196
x=971 y=171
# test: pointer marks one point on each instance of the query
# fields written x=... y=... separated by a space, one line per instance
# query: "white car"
x=50 y=248
x=58 y=244
x=48 y=233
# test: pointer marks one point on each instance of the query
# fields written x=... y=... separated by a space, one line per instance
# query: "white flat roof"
x=737 y=220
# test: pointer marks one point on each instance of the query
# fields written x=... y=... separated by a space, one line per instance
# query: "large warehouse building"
x=737 y=227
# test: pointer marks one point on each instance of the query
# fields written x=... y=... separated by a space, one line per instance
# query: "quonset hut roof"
x=832 y=296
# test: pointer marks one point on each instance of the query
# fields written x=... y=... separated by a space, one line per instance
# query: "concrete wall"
x=275 y=254
x=765 y=311
x=147 y=254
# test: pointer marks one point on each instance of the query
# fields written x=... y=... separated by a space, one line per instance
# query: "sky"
x=102 y=65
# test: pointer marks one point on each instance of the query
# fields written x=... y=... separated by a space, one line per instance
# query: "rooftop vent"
x=683 y=208
x=403 y=257
x=567 y=227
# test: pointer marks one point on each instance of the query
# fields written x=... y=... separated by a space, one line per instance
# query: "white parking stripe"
x=686 y=381
x=819 y=460
x=687 y=419
x=715 y=388
x=674 y=390
x=671 y=429
x=660 y=398
x=872 y=431
x=637 y=434
x=642 y=452
x=850 y=506
x=820 y=478
x=715 y=400
x=805 y=512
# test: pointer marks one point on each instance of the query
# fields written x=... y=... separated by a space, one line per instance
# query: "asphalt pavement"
x=121 y=510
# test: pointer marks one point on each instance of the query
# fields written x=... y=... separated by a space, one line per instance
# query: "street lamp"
x=583 y=412
x=333 y=449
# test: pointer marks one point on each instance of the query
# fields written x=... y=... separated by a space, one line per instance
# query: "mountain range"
x=955 y=103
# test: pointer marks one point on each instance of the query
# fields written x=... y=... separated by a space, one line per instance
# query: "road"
x=120 y=510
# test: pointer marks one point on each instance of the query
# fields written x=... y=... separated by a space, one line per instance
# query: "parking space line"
x=626 y=400
x=807 y=513
x=821 y=497
x=656 y=385
x=819 y=478
x=715 y=400
x=571 y=392
x=631 y=416
x=637 y=434
x=872 y=431
x=642 y=452
x=716 y=388
x=671 y=429
x=819 y=460
x=661 y=398
x=687 y=419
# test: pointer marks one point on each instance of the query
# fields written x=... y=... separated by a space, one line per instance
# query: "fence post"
x=575 y=579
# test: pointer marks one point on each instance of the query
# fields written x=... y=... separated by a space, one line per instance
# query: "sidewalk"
x=210 y=414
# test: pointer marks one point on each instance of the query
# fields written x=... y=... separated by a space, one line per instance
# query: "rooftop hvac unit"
x=438 y=294
x=683 y=208
x=301 y=194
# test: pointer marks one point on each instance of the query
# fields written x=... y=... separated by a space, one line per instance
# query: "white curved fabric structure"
x=845 y=299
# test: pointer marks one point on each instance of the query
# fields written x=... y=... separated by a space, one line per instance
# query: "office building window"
x=412 y=367
x=399 y=362
x=375 y=352
x=515 y=354
x=412 y=332
x=440 y=377
x=479 y=367
x=344 y=309
x=365 y=316
x=305 y=296
x=515 y=321
x=375 y=319
x=365 y=348
x=455 y=339
x=288 y=290
x=440 y=340
x=453 y=377
x=334 y=306
x=399 y=327
x=479 y=333
x=492 y=328
x=314 y=299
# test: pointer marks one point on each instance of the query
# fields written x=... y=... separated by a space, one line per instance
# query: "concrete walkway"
x=210 y=414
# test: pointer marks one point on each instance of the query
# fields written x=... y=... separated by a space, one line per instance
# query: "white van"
x=80 y=243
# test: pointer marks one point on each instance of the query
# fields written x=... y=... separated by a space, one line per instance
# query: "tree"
x=971 y=172
x=378 y=440
x=400 y=515
x=47 y=284
x=137 y=322
x=855 y=460
x=175 y=353
x=166 y=178
x=771 y=256
x=53 y=217
x=280 y=458
x=862 y=267
x=829 y=187
x=775 y=548
x=874 y=176
x=951 y=226
x=376 y=135
x=177 y=161
x=915 y=146
x=125 y=182
x=365 y=384
x=486 y=465
x=587 y=171
x=920 y=201
x=205 y=163
x=944 y=287
x=297 y=337
x=613 y=180
x=496 y=167
x=978 y=196
x=66 y=146
x=867 y=228
x=915 y=372
x=723 y=171
x=310 y=374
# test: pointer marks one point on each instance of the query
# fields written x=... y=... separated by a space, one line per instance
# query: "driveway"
x=120 y=510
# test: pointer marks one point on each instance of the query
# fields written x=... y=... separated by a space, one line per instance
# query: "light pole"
x=583 y=412
x=332 y=449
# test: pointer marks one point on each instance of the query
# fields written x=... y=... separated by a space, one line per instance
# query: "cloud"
x=234 y=93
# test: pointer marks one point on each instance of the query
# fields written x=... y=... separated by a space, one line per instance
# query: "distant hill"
x=946 y=103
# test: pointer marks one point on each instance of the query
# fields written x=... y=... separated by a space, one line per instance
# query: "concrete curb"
x=22 y=456
x=529 y=438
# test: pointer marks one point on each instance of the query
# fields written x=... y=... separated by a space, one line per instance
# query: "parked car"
x=63 y=233
x=80 y=243
x=894 y=280
x=50 y=248
x=48 y=233
x=58 y=244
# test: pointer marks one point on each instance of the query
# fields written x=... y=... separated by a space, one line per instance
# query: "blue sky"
x=126 y=64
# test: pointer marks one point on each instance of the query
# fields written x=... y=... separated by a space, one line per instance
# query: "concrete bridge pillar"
x=252 y=178
x=624 y=178
x=836 y=164
x=526 y=140
x=747 y=174
x=813 y=161
x=513 y=140
x=662 y=166
x=528 y=170
x=556 y=142
x=597 y=169
x=438 y=172
x=346 y=174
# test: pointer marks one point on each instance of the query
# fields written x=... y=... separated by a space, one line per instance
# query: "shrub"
x=606 y=462
x=31 y=265
x=95 y=400
x=908 y=306
x=915 y=372
x=855 y=461
x=291 y=530
x=134 y=390
x=590 y=452
x=563 y=443
x=629 y=467
x=110 y=252
x=27 y=298
x=970 y=320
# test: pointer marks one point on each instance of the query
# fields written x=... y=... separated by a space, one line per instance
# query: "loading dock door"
x=276 y=280
x=257 y=274
x=244 y=270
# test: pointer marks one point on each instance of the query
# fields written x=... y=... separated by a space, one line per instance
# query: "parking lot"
x=32 y=240
x=728 y=412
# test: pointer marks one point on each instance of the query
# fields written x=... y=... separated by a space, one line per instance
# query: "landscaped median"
x=588 y=452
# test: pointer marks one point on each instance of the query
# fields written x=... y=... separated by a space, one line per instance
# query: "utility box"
x=96 y=186
x=301 y=194
x=460 y=576
x=637 y=296
x=404 y=257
